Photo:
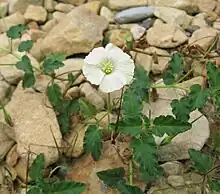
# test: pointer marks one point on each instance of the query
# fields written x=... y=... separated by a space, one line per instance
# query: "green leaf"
x=28 y=80
x=25 y=46
x=213 y=74
x=141 y=83
x=128 y=189
x=198 y=96
x=53 y=62
x=34 y=190
x=169 y=125
x=112 y=177
x=176 y=63
x=202 y=162
x=54 y=94
x=15 y=32
x=25 y=65
x=145 y=153
x=131 y=127
x=214 y=185
x=181 y=109
x=132 y=105
x=87 y=110
x=37 y=168
x=67 y=187
x=168 y=78
x=93 y=141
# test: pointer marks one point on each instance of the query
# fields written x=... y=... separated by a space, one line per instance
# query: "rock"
x=199 y=20
x=3 y=9
x=137 y=31
x=12 y=156
x=5 y=45
x=81 y=26
x=21 y=5
x=79 y=80
x=173 y=168
x=36 y=34
x=148 y=23
x=73 y=65
x=119 y=37
x=165 y=36
x=206 y=5
x=4 y=89
x=93 y=6
x=190 y=6
x=173 y=16
x=176 y=181
x=36 y=52
x=62 y=7
x=58 y=16
x=21 y=169
x=11 y=20
x=33 y=25
x=36 y=13
x=135 y=14
x=73 y=93
x=216 y=25
x=107 y=14
x=74 y=2
x=192 y=29
x=147 y=62
x=49 y=25
x=86 y=168
x=203 y=37
x=123 y=4
x=7 y=139
x=217 y=9
x=34 y=124
x=92 y=96
x=49 y=5
x=194 y=138
x=4 y=190
x=74 y=141
x=196 y=80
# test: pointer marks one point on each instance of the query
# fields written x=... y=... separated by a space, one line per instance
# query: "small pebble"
x=137 y=31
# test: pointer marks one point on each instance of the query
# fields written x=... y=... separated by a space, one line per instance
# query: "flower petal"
x=112 y=82
x=115 y=54
x=126 y=67
x=96 y=56
x=93 y=73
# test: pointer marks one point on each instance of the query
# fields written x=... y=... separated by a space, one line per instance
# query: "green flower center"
x=107 y=67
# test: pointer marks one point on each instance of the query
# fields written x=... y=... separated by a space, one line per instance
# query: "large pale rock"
x=35 y=125
x=86 y=168
x=78 y=32
x=107 y=14
x=11 y=20
x=194 y=138
x=173 y=16
x=190 y=6
x=36 y=13
x=206 y=5
x=199 y=20
x=203 y=37
x=123 y=4
x=21 y=5
x=7 y=139
x=165 y=36
x=92 y=95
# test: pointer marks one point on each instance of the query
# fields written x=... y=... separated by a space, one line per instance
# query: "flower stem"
x=130 y=173
x=109 y=112
x=170 y=86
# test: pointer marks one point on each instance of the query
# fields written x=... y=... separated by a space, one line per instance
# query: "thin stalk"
x=170 y=86
x=130 y=172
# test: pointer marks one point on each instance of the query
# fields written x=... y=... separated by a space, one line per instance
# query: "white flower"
x=108 y=67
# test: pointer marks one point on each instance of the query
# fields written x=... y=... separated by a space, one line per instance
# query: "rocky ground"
x=75 y=27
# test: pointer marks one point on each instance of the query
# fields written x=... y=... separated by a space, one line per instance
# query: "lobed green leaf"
x=15 y=32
